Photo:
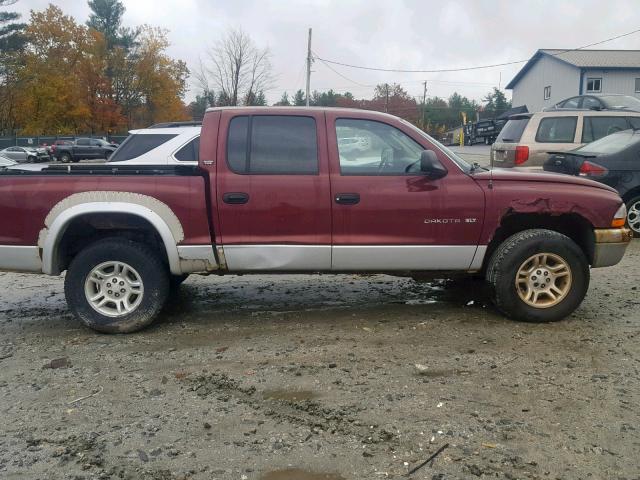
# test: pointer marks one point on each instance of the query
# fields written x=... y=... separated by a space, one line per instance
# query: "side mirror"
x=430 y=166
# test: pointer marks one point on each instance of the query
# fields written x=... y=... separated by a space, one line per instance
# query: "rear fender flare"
x=157 y=213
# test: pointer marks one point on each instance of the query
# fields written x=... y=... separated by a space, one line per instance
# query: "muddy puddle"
x=297 y=474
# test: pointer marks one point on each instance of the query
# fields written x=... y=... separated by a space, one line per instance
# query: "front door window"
x=368 y=147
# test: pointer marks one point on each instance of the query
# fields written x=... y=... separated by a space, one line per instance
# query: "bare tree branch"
x=237 y=68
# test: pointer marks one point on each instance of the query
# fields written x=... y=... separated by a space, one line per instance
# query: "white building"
x=553 y=75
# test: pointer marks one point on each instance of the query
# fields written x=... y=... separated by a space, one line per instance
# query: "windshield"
x=621 y=101
x=611 y=143
x=464 y=166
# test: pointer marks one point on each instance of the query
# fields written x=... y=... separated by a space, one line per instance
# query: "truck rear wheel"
x=116 y=286
x=538 y=276
x=65 y=158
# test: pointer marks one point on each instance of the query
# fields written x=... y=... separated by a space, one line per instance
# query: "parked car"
x=272 y=194
x=26 y=154
x=177 y=145
x=598 y=102
x=527 y=138
x=613 y=160
x=84 y=148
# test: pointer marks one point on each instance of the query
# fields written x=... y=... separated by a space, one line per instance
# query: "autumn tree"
x=51 y=94
x=238 y=69
x=394 y=99
x=161 y=80
x=11 y=45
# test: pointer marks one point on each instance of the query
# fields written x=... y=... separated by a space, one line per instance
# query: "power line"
x=441 y=70
x=341 y=75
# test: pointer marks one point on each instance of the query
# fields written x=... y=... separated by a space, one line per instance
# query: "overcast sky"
x=409 y=34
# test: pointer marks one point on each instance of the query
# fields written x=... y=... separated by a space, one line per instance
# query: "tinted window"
x=557 y=130
x=597 y=127
x=139 y=144
x=374 y=148
x=82 y=141
x=571 y=103
x=237 y=144
x=591 y=103
x=512 y=131
x=278 y=145
x=190 y=152
x=634 y=122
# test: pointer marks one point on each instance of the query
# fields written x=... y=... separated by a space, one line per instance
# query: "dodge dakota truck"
x=282 y=190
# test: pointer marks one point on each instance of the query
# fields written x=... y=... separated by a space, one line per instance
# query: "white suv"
x=158 y=145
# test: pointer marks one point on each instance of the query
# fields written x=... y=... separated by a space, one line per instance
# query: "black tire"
x=31 y=159
x=176 y=280
x=507 y=260
x=153 y=274
x=633 y=218
x=65 y=157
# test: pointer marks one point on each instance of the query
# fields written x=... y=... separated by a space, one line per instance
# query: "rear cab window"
x=557 y=130
x=513 y=130
x=139 y=144
x=272 y=145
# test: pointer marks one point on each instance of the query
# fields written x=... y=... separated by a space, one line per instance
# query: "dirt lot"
x=315 y=378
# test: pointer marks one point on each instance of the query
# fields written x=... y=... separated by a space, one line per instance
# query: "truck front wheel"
x=116 y=286
x=538 y=276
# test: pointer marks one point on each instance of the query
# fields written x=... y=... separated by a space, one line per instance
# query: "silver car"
x=26 y=154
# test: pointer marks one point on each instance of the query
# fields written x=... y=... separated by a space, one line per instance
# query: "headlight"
x=620 y=217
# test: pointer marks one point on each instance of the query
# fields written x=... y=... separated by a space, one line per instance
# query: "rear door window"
x=597 y=127
x=557 y=130
x=591 y=103
x=512 y=131
x=571 y=103
x=273 y=145
x=139 y=144
x=82 y=142
x=190 y=152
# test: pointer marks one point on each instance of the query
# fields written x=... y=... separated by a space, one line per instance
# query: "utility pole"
x=386 y=100
x=424 y=103
x=309 y=60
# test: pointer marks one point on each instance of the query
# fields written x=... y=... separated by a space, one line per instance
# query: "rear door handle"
x=347 y=198
x=235 y=198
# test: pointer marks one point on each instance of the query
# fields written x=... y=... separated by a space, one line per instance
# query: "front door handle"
x=347 y=198
x=235 y=198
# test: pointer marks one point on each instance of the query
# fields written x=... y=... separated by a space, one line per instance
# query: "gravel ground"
x=322 y=378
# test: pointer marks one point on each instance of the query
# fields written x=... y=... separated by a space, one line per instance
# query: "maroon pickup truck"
x=306 y=190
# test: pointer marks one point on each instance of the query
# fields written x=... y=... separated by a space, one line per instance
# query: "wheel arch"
x=136 y=209
x=573 y=225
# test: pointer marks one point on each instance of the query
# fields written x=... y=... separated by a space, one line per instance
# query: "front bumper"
x=611 y=243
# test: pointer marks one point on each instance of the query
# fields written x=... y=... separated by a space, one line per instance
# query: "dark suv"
x=85 y=148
